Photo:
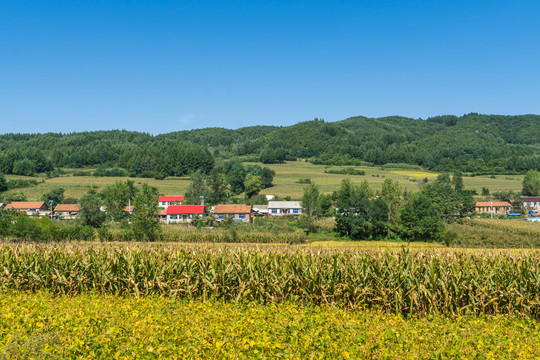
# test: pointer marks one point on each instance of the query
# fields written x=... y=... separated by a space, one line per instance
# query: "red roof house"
x=29 y=207
x=183 y=213
x=497 y=207
x=67 y=211
x=237 y=212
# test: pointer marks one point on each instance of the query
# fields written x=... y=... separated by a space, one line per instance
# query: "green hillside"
x=481 y=144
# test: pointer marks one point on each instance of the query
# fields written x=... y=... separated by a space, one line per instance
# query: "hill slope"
x=473 y=142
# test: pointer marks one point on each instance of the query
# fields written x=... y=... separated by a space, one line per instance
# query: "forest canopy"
x=473 y=143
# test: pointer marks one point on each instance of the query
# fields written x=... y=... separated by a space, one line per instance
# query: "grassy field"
x=288 y=174
x=286 y=181
x=42 y=326
x=77 y=186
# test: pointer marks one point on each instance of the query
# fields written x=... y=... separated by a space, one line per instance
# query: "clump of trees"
x=230 y=178
x=315 y=206
x=531 y=183
x=360 y=213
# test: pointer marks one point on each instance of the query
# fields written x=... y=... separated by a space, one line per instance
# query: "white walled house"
x=531 y=203
x=32 y=208
x=67 y=211
x=181 y=214
x=166 y=201
x=284 y=208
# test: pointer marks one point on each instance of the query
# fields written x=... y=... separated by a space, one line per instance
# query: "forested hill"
x=473 y=143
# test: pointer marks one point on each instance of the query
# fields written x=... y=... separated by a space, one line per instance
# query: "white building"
x=531 y=203
x=166 y=201
x=280 y=208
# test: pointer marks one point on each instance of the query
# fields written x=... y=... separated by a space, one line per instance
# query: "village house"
x=284 y=208
x=161 y=213
x=531 y=203
x=183 y=213
x=67 y=211
x=236 y=212
x=162 y=216
x=259 y=210
x=166 y=201
x=36 y=208
x=497 y=207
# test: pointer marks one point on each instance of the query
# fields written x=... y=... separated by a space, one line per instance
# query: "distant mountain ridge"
x=473 y=143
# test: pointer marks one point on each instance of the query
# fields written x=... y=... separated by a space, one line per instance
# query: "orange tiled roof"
x=232 y=209
x=68 y=207
x=25 y=205
x=494 y=204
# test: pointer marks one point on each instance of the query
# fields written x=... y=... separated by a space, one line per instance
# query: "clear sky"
x=161 y=66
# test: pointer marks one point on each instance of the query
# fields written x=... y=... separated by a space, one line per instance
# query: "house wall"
x=496 y=209
x=180 y=218
x=278 y=211
x=166 y=204
x=532 y=204
x=244 y=216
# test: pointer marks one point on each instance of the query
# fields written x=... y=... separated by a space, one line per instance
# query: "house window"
x=295 y=211
x=273 y=211
x=241 y=216
x=221 y=216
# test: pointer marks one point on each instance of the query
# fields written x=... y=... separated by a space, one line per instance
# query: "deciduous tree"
x=144 y=219
x=531 y=183
x=91 y=213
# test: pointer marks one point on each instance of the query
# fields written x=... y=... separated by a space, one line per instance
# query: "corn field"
x=406 y=282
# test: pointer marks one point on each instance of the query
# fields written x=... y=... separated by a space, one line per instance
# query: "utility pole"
x=491 y=207
x=51 y=202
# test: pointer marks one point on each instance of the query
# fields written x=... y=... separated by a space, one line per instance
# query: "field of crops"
x=42 y=326
x=495 y=233
x=281 y=234
x=408 y=282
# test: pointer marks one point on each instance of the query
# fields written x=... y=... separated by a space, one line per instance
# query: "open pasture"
x=288 y=174
x=285 y=182
x=77 y=186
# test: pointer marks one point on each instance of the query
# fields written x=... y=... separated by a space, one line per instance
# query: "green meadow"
x=286 y=182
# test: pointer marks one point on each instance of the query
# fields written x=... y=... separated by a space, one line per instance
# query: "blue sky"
x=161 y=66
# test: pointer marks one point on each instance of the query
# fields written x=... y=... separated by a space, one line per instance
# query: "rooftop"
x=67 y=207
x=285 y=204
x=494 y=204
x=232 y=209
x=24 y=205
x=185 y=209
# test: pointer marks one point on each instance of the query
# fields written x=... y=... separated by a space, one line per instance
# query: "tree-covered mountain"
x=472 y=143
